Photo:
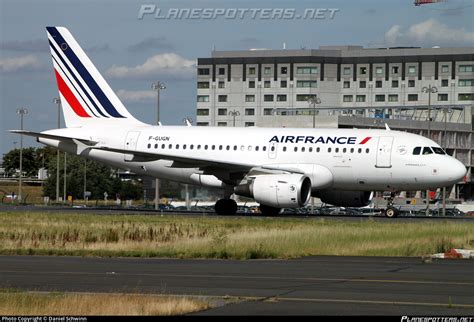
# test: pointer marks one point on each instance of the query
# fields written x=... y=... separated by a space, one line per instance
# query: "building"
x=350 y=86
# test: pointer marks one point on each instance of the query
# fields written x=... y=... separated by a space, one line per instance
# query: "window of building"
x=393 y=97
x=444 y=82
x=347 y=98
x=221 y=84
x=267 y=70
x=304 y=97
x=411 y=70
x=221 y=71
x=394 y=69
x=250 y=98
x=362 y=84
x=445 y=68
x=411 y=83
x=266 y=84
x=222 y=98
x=203 y=98
x=281 y=98
x=268 y=98
x=203 y=85
x=202 y=111
x=378 y=84
x=268 y=111
x=249 y=111
x=360 y=98
x=442 y=97
x=251 y=70
x=347 y=71
x=347 y=84
x=379 y=70
x=202 y=123
x=283 y=84
x=203 y=71
x=363 y=70
x=394 y=83
x=222 y=111
x=412 y=97
x=466 y=97
x=466 y=82
x=308 y=83
x=380 y=98
x=306 y=70
x=466 y=68
x=247 y=124
x=284 y=70
x=251 y=84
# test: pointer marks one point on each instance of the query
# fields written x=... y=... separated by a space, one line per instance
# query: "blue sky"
x=155 y=49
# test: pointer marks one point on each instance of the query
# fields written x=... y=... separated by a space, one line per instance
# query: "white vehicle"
x=278 y=167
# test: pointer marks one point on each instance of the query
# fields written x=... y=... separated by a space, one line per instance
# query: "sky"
x=132 y=53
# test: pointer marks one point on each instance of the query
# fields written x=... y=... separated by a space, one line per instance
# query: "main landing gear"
x=391 y=211
x=226 y=207
x=269 y=211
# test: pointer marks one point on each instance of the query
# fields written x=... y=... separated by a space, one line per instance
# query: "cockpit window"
x=438 y=150
x=417 y=150
x=427 y=150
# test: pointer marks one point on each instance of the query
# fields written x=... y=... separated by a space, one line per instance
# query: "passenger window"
x=367 y=150
x=329 y=150
x=264 y=148
x=170 y=146
x=162 y=146
x=149 y=146
x=352 y=150
x=427 y=150
x=184 y=146
x=213 y=147
x=191 y=146
x=199 y=147
x=156 y=146
x=337 y=150
x=359 y=150
x=318 y=149
x=220 y=147
x=273 y=148
x=310 y=149
x=302 y=149
x=256 y=148
x=284 y=149
x=227 y=147
x=235 y=147
x=296 y=149
x=417 y=150
x=344 y=150
x=205 y=147
x=250 y=148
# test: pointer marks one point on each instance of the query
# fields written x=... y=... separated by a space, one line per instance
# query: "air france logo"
x=315 y=140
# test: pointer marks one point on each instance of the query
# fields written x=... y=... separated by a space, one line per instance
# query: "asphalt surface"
x=314 y=285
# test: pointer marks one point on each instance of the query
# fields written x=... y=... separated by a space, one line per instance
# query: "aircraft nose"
x=457 y=170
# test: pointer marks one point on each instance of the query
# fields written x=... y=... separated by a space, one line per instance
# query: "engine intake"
x=278 y=190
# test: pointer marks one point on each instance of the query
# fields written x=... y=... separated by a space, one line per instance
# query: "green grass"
x=216 y=237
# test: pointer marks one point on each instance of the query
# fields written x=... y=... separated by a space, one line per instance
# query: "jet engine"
x=277 y=190
x=345 y=198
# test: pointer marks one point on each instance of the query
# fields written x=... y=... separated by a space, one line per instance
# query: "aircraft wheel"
x=226 y=207
x=269 y=211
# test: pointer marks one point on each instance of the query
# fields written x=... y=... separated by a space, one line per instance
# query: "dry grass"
x=22 y=303
x=233 y=237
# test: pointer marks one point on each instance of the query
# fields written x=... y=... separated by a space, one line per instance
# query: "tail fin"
x=86 y=98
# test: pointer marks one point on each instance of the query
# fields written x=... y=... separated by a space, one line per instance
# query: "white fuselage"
x=363 y=160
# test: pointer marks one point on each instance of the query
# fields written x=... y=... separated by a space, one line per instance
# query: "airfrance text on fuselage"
x=314 y=140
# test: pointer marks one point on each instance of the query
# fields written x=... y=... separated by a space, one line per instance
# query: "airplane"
x=278 y=167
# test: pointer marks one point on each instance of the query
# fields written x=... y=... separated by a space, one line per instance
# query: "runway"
x=315 y=285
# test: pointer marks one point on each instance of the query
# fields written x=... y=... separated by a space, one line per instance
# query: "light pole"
x=158 y=86
x=57 y=101
x=234 y=113
x=22 y=112
x=430 y=89
x=313 y=101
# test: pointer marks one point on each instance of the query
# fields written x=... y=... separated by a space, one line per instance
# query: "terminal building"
x=428 y=91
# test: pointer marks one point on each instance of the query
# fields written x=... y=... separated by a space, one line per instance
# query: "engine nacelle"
x=345 y=198
x=278 y=190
